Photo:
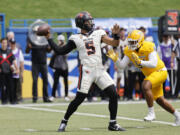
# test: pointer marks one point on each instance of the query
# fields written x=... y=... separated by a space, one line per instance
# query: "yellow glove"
x=111 y=54
x=136 y=59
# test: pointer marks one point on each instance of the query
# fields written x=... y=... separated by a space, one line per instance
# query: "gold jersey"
x=143 y=53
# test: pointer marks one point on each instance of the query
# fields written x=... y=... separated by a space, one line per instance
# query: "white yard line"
x=86 y=103
x=162 y=110
x=88 y=114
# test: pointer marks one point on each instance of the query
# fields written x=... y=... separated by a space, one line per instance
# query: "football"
x=43 y=30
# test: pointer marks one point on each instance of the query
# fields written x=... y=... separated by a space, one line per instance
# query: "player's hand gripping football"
x=115 y=29
x=44 y=30
x=111 y=54
x=48 y=35
x=136 y=59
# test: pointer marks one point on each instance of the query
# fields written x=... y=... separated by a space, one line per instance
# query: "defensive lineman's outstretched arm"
x=151 y=63
x=64 y=49
x=121 y=64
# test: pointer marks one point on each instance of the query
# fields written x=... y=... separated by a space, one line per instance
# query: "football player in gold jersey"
x=144 y=56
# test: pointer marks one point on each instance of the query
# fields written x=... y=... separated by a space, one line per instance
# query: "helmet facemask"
x=132 y=44
x=88 y=25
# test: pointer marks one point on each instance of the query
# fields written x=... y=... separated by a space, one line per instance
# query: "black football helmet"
x=84 y=21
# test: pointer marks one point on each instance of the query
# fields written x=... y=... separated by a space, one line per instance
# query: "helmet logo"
x=80 y=15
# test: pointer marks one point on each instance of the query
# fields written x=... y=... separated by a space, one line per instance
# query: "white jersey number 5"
x=90 y=47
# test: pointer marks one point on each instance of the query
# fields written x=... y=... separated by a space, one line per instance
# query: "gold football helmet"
x=135 y=39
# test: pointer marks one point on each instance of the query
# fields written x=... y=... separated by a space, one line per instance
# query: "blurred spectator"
x=176 y=54
x=105 y=60
x=134 y=81
x=7 y=67
x=146 y=38
x=165 y=51
x=39 y=65
x=120 y=51
x=59 y=63
x=11 y=35
x=17 y=78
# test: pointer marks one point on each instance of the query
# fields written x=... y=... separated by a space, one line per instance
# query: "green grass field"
x=26 y=9
x=89 y=119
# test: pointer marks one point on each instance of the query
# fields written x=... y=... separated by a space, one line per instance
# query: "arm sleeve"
x=159 y=51
x=64 y=49
x=152 y=62
x=175 y=47
x=21 y=56
x=122 y=63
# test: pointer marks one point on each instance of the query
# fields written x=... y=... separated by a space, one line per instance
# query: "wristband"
x=116 y=36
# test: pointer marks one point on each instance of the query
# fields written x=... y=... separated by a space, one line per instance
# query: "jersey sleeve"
x=152 y=62
x=121 y=64
x=64 y=49
x=21 y=56
x=103 y=45
x=75 y=39
x=101 y=32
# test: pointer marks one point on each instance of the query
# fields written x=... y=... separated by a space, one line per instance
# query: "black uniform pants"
x=178 y=81
x=132 y=82
x=7 y=93
x=36 y=69
x=57 y=74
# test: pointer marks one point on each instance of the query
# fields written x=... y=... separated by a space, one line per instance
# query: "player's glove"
x=136 y=59
x=111 y=54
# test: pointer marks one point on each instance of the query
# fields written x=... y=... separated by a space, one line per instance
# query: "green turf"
x=19 y=121
x=25 y=9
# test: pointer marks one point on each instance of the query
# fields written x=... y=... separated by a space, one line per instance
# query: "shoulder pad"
x=147 y=47
x=100 y=31
x=72 y=37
